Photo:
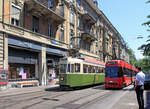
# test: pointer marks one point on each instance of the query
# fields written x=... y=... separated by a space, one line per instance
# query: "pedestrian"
x=139 y=87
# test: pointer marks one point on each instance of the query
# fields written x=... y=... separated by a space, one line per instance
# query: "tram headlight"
x=61 y=78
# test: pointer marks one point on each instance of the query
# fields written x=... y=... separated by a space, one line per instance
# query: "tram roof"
x=74 y=59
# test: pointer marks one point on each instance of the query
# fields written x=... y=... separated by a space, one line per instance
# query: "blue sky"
x=127 y=17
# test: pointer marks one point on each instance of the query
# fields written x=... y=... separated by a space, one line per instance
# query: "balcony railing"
x=75 y=43
x=43 y=8
x=88 y=17
x=89 y=34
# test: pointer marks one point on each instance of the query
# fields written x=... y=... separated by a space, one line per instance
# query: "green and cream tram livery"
x=80 y=72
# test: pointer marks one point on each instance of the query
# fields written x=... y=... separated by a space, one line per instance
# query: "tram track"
x=33 y=98
x=85 y=100
x=12 y=100
x=41 y=97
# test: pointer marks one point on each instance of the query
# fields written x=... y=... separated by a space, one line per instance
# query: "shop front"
x=52 y=58
x=23 y=61
x=32 y=63
x=22 y=64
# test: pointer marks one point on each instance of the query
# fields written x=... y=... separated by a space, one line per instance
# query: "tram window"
x=84 y=68
x=89 y=69
x=94 y=70
x=72 y=68
x=63 y=68
x=77 y=67
x=100 y=70
x=68 y=67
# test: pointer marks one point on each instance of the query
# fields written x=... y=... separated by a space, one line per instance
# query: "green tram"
x=76 y=72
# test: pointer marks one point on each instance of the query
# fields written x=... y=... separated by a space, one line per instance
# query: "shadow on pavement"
x=54 y=89
x=147 y=99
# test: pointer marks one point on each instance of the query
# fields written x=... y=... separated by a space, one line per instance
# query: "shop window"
x=21 y=71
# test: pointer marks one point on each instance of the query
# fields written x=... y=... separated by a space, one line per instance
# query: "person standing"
x=139 y=87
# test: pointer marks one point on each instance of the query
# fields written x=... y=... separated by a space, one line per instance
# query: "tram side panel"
x=99 y=78
x=76 y=80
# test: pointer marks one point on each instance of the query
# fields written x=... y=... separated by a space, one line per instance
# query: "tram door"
x=3 y=77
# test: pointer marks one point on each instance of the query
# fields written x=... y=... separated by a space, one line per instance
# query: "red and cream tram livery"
x=119 y=74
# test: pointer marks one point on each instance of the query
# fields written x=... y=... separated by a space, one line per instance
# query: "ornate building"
x=35 y=34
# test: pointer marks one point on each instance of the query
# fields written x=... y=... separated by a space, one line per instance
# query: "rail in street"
x=85 y=98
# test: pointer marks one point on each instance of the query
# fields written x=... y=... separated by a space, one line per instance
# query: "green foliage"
x=146 y=47
x=132 y=57
x=144 y=63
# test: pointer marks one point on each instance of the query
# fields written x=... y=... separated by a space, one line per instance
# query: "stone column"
x=1 y=50
x=5 y=51
x=42 y=66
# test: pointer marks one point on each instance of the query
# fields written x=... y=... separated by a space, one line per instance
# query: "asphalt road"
x=96 y=97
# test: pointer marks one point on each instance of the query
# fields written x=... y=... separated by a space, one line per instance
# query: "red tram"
x=119 y=74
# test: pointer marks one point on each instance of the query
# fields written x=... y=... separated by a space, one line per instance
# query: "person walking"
x=139 y=87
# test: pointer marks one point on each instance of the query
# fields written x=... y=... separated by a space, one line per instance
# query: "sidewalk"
x=15 y=91
x=129 y=100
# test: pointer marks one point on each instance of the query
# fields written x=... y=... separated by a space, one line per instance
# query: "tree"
x=144 y=63
x=132 y=57
x=146 y=47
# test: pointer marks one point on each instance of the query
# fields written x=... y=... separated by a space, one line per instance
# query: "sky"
x=127 y=16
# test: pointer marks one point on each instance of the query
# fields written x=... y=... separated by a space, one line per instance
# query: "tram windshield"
x=113 y=72
x=63 y=68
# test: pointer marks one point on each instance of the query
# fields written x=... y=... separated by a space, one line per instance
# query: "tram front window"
x=113 y=72
x=63 y=68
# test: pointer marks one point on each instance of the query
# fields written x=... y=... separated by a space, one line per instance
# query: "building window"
x=88 y=46
x=107 y=45
x=72 y=1
x=71 y=34
x=78 y=3
x=71 y=17
x=84 y=8
x=15 y=15
x=61 y=34
x=50 y=34
x=35 y=24
x=78 y=22
x=14 y=22
x=62 y=10
x=50 y=4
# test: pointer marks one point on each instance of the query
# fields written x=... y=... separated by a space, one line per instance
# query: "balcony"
x=75 y=43
x=86 y=34
x=88 y=18
x=42 y=9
